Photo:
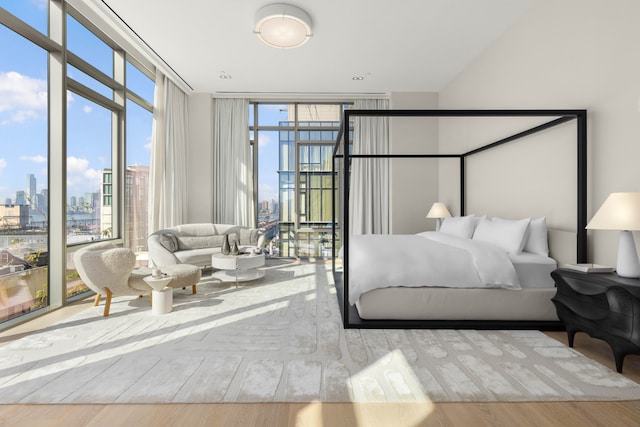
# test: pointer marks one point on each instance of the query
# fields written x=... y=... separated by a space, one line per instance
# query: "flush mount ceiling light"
x=283 y=26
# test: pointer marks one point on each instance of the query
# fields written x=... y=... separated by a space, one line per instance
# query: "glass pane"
x=315 y=167
x=312 y=202
x=251 y=114
x=24 y=211
x=139 y=83
x=268 y=188
x=89 y=47
x=88 y=81
x=75 y=285
x=88 y=170
x=273 y=114
x=319 y=113
x=34 y=13
x=139 y=124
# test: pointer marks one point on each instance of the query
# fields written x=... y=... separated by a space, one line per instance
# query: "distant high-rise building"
x=7 y=201
x=72 y=201
x=90 y=199
x=42 y=201
x=21 y=198
x=31 y=191
x=136 y=206
x=106 y=202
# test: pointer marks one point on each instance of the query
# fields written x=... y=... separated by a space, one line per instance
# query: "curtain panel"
x=369 y=184
x=167 y=175
x=233 y=201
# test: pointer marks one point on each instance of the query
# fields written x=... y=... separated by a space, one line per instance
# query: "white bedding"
x=426 y=259
x=534 y=271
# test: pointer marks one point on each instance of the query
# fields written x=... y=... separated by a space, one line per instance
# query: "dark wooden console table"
x=604 y=305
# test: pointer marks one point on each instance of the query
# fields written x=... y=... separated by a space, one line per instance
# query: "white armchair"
x=108 y=270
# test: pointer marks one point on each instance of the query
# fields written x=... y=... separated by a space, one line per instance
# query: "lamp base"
x=628 y=264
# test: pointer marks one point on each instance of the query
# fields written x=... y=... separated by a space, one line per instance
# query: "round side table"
x=161 y=296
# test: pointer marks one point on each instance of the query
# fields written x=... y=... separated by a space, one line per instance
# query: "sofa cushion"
x=169 y=241
x=199 y=242
x=200 y=257
x=248 y=236
x=205 y=229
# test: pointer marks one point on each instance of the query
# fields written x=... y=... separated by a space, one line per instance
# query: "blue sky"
x=268 y=150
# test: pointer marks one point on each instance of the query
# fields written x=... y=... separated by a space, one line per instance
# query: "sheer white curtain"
x=233 y=201
x=369 y=189
x=167 y=175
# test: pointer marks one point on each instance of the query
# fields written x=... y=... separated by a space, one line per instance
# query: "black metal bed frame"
x=350 y=316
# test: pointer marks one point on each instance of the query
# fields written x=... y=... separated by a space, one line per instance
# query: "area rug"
x=280 y=339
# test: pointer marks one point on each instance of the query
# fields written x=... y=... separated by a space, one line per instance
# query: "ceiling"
x=401 y=45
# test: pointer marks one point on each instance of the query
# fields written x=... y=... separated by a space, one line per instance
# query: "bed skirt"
x=403 y=303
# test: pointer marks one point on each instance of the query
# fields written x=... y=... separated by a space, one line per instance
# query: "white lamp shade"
x=283 y=26
x=620 y=211
x=438 y=210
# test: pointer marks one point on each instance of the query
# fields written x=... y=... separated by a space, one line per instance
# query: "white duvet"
x=426 y=259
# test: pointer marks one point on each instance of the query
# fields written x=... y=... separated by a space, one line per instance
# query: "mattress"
x=532 y=302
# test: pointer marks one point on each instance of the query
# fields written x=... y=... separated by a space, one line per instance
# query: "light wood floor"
x=566 y=414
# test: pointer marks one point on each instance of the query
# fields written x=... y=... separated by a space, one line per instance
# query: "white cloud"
x=40 y=4
x=94 y=176
x=264 y=139
x=35 y=159
x=80 y=177
x=76 y=165
x=22 y=97
x=87 y=109
x=3 y=164
x=148 y=144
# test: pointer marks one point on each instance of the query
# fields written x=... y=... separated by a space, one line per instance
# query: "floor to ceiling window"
x=24 y=226
x=295 y=143
x=82 y=108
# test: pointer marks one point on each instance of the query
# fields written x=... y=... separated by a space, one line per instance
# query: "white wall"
x=570 y=54
x=200 y=159
x=414 y=182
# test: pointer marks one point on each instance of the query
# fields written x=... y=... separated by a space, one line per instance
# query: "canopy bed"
x=457 y=279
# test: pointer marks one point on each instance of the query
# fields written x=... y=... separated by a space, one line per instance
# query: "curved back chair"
x=107 y=270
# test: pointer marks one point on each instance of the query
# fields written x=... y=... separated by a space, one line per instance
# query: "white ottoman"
x=183 y=275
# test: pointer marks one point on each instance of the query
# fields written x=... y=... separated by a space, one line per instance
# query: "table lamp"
x=621 y=211
x=438 y=210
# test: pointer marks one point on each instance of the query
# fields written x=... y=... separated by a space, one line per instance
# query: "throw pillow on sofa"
x=169 y=241
x=248 y=236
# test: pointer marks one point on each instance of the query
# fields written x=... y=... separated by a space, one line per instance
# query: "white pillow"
x=476 y=220
x=536 y=241
x=505 y=233
x=461 y=226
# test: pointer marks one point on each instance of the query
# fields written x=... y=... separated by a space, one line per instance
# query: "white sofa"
x=195 y=243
